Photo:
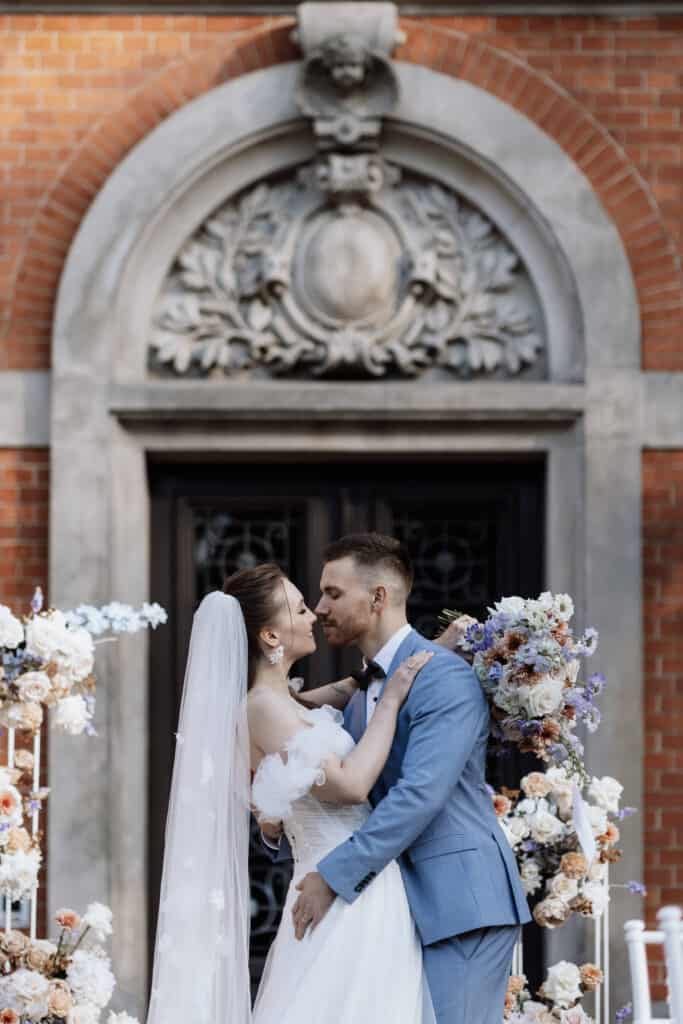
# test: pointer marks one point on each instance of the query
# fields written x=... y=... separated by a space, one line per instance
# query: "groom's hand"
x=314 y=901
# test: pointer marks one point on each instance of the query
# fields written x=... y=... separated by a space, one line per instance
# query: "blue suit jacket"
x=432 y=810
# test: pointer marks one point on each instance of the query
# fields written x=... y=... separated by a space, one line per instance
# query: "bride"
x=240 y=721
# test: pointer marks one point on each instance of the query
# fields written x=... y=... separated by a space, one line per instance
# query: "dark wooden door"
x=475 y=532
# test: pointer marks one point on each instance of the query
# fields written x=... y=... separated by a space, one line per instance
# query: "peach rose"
x=14 y=943
x=510 y=1004
x=574 y=865
x=8 y=1016
x=551 y=912
x=31 y=716
x=37 y=959
x=68 y=919
x=610 y=836
x=516 y=983
x=23 y=759
x=18 y=839
x=535 y=784
x=8 y=802
x=501 y=805
x=591 y=976
x=59 y=1001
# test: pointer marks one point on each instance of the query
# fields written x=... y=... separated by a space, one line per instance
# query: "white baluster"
x=669 y=921
x=634 y=932
x=605 y=953
x=10 y=764
x=34 y=830
x=597 y=960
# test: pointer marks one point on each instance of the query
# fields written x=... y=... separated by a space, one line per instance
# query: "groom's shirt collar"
x=385 y=655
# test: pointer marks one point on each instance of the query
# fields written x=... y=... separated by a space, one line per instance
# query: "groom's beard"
x=342 y=634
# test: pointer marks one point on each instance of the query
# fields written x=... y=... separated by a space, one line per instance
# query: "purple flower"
x=479 y=637
x=37 y=601
x=624 y=1012
x=495 y=672
x=558 y=752
x=637 y=888
x=529 y=846
x=626 y=812
x=596 y=684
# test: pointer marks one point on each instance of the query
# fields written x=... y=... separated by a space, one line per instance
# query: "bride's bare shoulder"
x=272 y=717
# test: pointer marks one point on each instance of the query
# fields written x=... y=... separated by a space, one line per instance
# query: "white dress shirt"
x=384 y=658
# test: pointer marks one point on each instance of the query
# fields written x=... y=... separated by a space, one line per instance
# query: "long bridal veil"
x=201 y=959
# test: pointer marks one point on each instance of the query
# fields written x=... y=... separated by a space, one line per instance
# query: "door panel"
x=474 y=532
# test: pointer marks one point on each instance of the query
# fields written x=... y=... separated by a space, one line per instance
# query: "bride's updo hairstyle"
x=259 y=592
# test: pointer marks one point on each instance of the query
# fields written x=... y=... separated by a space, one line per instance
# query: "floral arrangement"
x=538 y=821
x=47 y=660
x=558 y=1001
x=69 y=979
x=528 y=661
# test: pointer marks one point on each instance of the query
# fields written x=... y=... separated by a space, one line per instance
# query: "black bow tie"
x=365 y=676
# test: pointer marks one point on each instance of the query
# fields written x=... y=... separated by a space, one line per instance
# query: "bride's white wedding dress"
x=363 y=962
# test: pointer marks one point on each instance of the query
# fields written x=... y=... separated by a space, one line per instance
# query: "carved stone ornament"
x=280 y=280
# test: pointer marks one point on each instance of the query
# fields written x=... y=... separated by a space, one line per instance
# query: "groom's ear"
x=379 y=598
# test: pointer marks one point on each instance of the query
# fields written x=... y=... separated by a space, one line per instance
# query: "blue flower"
x=637 y=888
x=626 y=812
x=625 y=1012
x=596 y=684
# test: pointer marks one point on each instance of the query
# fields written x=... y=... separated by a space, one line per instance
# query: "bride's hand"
x=454 y=633
x=398 y=685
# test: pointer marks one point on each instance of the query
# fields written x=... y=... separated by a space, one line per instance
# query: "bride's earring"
x=276 y=655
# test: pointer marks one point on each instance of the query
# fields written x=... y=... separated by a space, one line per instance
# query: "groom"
x=432 y=811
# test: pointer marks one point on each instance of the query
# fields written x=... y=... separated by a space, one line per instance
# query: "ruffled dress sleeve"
x=279 y=782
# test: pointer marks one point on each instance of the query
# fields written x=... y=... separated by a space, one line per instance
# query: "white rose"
x=89 y=975
x=512 y=839
x=597 y=818
x=33 y=686
x=46 y=635
x=537 y=1013
x=31 y=990
x=544 y=827
x=71 y=715
x=531 y=876
x=512 y=606
x=606 y=792
x=11 y=629
x=563 y=607
x=84 y=1013
x=542 y=699
x=563 y=887
x=121 y=1018
x=99 y=918
x=563 y=984
x=597 y=871
x=519 y=827
x=19 y=872
x=598 y=895
x=78 y=655
x=562 y=790
x=576 y=1015
x=527 y=806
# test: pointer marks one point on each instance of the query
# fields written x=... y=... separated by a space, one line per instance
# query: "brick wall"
x=77 y=92
x=663 y=625
x=24 y=477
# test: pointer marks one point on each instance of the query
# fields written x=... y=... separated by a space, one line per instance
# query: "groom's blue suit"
x=433 y=813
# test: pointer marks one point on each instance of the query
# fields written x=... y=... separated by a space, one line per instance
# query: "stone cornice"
x=630 y=8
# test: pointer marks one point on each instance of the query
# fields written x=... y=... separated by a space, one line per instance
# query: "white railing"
x=35 y=817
